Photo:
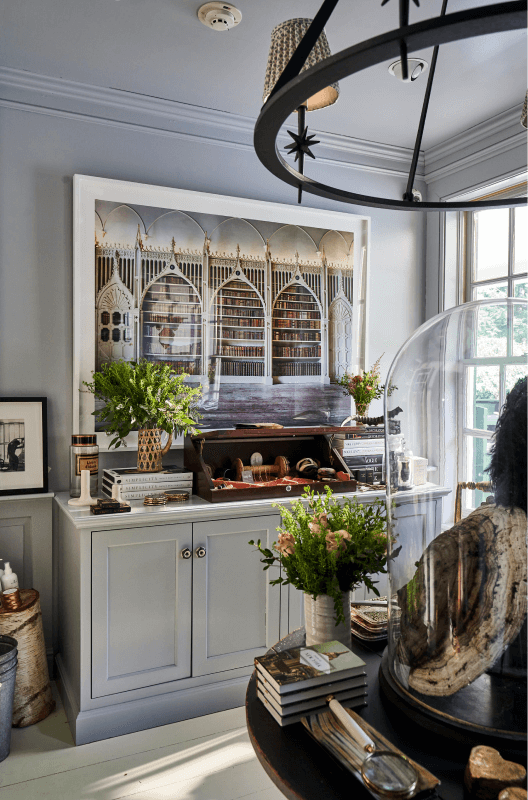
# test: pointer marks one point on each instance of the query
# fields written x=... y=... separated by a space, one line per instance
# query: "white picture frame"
x=87 y=189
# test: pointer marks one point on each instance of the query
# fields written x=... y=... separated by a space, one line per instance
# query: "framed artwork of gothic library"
x=263 y=304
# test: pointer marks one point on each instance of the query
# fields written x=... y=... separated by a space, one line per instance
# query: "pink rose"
x=318 y=523
x=286 y=544
x=331 y=541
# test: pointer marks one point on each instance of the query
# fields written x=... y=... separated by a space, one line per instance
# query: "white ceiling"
x=159 y=48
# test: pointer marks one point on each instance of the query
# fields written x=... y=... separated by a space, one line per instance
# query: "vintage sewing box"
x=260 y=463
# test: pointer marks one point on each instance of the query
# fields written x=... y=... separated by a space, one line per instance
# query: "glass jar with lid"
x=84 y=454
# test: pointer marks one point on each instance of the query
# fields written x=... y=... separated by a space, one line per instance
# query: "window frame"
x=467 y=290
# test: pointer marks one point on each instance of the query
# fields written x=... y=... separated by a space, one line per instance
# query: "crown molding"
x=59 y=97
x=488 y=139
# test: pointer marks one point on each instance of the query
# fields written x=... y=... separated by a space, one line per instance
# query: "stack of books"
x=295 y=683
x=370 y=622
x=363 y=451
x=137 y=485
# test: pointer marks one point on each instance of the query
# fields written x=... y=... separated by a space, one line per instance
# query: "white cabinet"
x=163 y=592
x=161 y=615
x=148 y=637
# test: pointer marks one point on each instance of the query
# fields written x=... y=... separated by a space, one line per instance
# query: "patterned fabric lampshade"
x=284 y=40
x=523 y=112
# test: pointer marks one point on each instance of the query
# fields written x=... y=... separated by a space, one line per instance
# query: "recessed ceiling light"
x=219 y=16
x=417 y=67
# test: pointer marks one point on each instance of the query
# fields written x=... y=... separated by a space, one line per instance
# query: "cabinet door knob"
x=200 y=552
x=186 y=553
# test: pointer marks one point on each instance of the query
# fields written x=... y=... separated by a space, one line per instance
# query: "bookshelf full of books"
x=238 y=334
x=171 y=325
x=296 y=335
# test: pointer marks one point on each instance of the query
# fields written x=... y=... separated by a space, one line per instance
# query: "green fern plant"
x=328 y=546
x=144 y=394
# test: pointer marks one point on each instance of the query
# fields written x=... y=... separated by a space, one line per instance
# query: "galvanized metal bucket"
x=8 y=667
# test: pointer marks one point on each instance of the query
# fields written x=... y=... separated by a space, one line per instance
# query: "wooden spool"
x=264 y=472
x=33 y=699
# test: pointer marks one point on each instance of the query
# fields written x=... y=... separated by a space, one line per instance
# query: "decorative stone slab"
x=487 y=774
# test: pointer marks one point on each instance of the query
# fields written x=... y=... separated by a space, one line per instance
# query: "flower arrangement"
x=365 y=387
x=329 y=547
x=143 y=394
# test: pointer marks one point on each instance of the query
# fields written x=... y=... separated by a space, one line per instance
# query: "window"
x=496 y=266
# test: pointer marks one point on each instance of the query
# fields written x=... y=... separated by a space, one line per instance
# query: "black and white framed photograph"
x=261 y=304
x=23 y=445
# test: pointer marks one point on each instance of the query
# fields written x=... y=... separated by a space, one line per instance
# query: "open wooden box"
x=218 y=451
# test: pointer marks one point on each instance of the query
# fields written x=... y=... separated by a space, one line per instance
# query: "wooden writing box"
x=219 y=449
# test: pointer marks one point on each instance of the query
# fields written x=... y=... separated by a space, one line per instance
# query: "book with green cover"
x=300 y=667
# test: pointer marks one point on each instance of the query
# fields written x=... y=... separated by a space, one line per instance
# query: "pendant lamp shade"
x=284 y=40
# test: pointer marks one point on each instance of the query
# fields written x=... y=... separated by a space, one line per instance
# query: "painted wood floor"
x=209 y=758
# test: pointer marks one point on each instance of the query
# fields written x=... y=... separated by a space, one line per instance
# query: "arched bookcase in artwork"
x=340 y=338
x=296 y=335
x=238 y=334
x=171 y=324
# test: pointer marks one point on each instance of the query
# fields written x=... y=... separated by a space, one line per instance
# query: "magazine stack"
x=137 y=485
x=295 y=683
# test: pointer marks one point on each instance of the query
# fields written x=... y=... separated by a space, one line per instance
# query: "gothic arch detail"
x=340 y=345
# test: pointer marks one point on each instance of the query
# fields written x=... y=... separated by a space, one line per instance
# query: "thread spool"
x=263 y=472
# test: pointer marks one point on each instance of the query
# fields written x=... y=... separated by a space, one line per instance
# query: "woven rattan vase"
x=150 y=451
x=319 y=620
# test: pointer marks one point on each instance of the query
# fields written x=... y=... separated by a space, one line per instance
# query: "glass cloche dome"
x=456 y=506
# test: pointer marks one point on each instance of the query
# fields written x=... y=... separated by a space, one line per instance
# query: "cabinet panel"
x=141 y=607
x=236 y=611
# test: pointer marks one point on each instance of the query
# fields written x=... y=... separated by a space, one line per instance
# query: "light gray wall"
x=39 y=154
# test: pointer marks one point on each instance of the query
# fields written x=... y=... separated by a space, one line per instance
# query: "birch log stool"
x=33 y=698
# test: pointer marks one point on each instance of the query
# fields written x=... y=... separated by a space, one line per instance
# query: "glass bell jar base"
x=456 y=513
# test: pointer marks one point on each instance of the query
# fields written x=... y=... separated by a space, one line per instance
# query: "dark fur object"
x=507 y=469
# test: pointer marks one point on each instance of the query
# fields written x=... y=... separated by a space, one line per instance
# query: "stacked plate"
x=369 y=622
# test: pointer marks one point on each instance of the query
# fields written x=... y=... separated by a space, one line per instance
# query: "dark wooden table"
x=303 y=770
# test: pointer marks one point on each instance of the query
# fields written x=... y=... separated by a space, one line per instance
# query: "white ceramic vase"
x=319 y=620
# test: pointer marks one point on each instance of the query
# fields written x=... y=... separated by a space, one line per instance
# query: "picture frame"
x=89 y=190
x=23 y=445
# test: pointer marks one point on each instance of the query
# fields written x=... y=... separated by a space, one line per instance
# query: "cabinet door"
x=236 y=611
x=141 y=607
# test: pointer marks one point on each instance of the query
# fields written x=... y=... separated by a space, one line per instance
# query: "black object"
x=292 y=88
x=507 y=468
x=121 y=508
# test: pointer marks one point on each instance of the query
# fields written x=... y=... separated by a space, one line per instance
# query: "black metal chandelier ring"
x=439 y=30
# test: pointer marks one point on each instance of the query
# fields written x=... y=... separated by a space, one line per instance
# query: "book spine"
x=363 y=461
x=146 y=477
x=366 y=450
x=138 y=494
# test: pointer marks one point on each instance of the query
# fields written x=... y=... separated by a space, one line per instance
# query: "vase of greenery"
x=327 y=548
x=147 y=397
x=363 y=388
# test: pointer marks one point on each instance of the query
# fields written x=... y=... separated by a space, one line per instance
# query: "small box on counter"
x=109 y=507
